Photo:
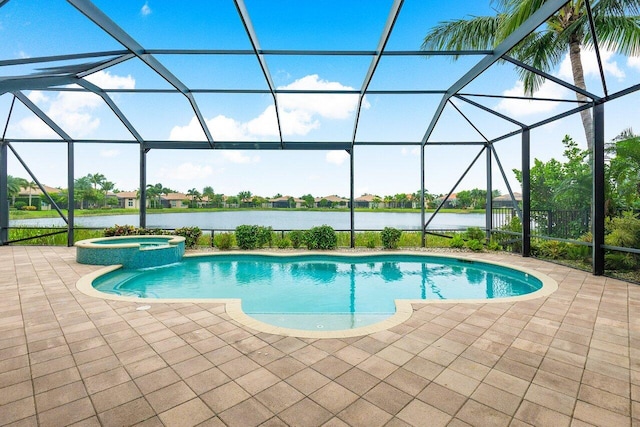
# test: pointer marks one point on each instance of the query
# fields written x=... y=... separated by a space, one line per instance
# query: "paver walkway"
x=65 y=358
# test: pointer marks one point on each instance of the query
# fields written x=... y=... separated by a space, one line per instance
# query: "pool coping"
x=91 y=243
x=404 y=307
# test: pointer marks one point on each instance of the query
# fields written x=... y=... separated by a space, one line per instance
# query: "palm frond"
x=476 y=33
x=616 y=7
x=617 y=33
x=542 y=51
x=518 y=11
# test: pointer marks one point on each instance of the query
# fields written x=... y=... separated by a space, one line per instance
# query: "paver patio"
x=568 y=359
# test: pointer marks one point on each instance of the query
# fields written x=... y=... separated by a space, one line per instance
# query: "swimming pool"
x=312 y=292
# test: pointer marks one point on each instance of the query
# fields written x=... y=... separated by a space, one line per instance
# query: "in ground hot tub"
x=131 y=251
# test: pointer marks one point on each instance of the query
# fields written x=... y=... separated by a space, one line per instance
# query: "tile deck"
x=572 y=358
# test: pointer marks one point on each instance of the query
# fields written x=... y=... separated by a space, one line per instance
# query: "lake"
x=279 y=220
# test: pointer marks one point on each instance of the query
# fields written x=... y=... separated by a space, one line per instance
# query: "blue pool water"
x=318 y=291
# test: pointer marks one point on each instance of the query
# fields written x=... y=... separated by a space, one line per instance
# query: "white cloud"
x=590 y=65
x=415 y=151
x=331 y=106
x=109 y=153
x=106 y=80
x=72 y=111
x=299 y=114
x=523 y=108
x=337 y=157
x=187 y=172
x=236 y=156
x=145 y=10
x=633 y=62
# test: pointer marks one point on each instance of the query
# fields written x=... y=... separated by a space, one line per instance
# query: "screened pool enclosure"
x=195 y=60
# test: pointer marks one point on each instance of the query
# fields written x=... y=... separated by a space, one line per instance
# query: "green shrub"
x=247 y=236
x=284 y=243
x=223 y=241
x=474 y=245
x=191 y=235
x=390 y=237
x=151 y=231
x=553 y=249
x=120 y=230
x=296 y=237
x=623 y=231
x=19 y=205
x=493 y=245
x=322 y=237
x=370 y=239
x=620 y=261
x=475 y=233
x=265 y=236
x=456 y=241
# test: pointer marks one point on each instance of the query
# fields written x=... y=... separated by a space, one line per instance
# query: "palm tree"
x=244 y=196
x=31 y=186
x=82 y=190
x=194 y=196
x=14 y=185
x=96 y=179
x=208 y=193
x=617 y=24
x=155 y=192
x=106 y=186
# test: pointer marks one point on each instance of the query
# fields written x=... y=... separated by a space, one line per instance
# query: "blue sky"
x=29 y=30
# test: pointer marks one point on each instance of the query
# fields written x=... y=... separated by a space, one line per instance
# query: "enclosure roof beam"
x=12 y=84
x=54 y=58
x=88 y=9
x=42 y=116
x=106 y=64
x=107 y=99
x=491 y=111
x=554 y=79
x=545 y=11
x=384 y=38
x=253 y=38
x=276 y=91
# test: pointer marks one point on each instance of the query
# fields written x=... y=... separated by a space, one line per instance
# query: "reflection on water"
x=390 y=271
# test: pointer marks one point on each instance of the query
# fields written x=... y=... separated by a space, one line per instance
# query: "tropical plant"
x=31 y=185
x=624 y=171
x=390 y=237
x=106 y=186
x=617 y=26
x=194 y=197
x=190 y=234
x=83 y=190
x=208 y=192
x=322 y=237
x=253 y=236
x=224 y=241
x=14 y=186
x=561 y=186
x=244 y=197
x=96 y=179
x=296 y=237
x=309 y=200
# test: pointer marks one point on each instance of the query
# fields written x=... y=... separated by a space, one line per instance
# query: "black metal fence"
x=564 y=224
